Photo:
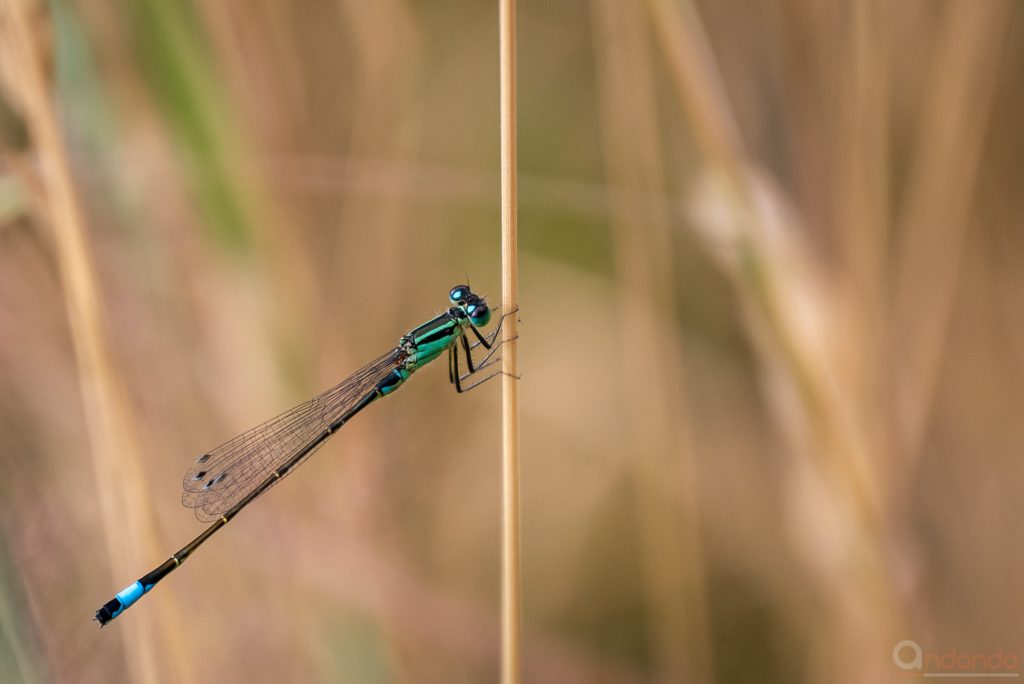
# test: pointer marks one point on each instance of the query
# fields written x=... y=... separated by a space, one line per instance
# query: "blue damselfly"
x=222 y=482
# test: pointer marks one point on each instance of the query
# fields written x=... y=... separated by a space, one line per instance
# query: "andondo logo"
x=915 y=661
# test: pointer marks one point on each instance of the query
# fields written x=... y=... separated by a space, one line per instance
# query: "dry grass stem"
x=786 y=300
x=119 y=478
x=510 y=545
x=934 y=218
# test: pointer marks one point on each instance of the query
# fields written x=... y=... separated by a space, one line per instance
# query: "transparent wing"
x=221 y=478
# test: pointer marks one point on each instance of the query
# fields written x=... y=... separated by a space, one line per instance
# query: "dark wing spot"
x=219 y=478
x=208 y=484
x=203 y=459
x=199 y=476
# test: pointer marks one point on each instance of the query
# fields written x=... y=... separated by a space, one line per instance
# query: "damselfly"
x=224 y=481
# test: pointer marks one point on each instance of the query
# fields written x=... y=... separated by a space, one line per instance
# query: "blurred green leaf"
x=180 y=73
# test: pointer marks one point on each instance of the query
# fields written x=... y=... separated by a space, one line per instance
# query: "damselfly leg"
x=453 y=372
x=488 y=342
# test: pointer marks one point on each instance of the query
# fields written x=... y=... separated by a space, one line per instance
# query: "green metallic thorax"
x=431 y=343
x=424 y=344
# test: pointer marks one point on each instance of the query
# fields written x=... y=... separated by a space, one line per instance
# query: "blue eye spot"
x=459 y=294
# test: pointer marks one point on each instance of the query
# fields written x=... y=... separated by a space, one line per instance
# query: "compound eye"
x=459 y=294
x=479 y=313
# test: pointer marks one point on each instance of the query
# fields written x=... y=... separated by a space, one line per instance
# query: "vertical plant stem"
x=510 y=351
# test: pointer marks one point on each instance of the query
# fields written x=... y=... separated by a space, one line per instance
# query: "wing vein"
x=219 y=479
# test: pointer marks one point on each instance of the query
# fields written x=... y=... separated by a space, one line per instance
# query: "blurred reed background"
x=772 y=265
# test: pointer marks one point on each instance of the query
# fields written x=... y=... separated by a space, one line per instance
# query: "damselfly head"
x=474 y=306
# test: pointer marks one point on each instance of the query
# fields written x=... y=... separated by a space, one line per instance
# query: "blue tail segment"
x=133 y=592
x=120 y=602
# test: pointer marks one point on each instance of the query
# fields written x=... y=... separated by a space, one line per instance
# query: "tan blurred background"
x=772 y=268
